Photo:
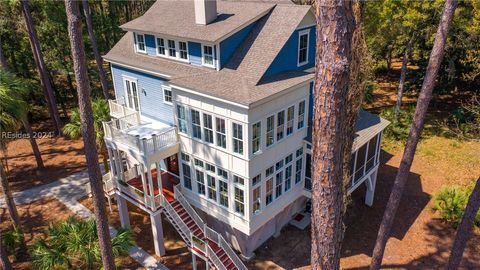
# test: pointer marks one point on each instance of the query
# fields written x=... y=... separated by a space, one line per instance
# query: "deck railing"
x=215 y=259
x=186 y=205
x=175 y=219
x=118 y=108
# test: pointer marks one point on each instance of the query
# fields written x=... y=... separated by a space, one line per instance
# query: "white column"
x=123 y=211
x=194 y=262
x=144 y=183
x=157 y=232
x=159 y=176
x=150 y=187
x=113 y=169
x=371 y=183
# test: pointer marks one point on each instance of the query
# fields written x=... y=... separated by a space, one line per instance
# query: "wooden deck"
x=168 y=182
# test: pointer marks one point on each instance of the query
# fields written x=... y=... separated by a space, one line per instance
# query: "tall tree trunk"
x=465 y=228
x=88 y=132
x=61 y=98
x=7 y=194
x=33 y=143
x=98 y=58
x=335 y=25
x=42 y=68
x=403 y=74
x=3 y=61
x=436 y=57
x=4 y=262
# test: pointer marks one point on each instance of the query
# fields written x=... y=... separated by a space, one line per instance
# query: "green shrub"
x=399 y=128
x=380 y=67
x=450 y=202
x=368 y=96
x=12 y=241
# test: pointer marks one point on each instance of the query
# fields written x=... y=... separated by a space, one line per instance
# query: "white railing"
x=108 y=183
x=175 y=219
x=118 y=108
x=133 y=192
x=215 y=259
x=115 y=130
x=209 y=233
x=186 y=205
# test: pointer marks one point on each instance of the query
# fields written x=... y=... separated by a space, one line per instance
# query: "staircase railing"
x=215 y=259
x=186 y=205
x=209 y=233
x=175 y=219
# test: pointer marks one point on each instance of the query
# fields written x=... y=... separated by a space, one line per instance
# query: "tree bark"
x=465 y=228
x=3 y=61
x=4 y=261
x=436 y=57
x=403 y=74
x=98 y=58
x=7 y=194
x=42 y=68
x=335 y=25
x=88 y=132
x=33 y=142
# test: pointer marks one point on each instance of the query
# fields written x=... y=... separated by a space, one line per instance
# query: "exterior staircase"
x=201 y=239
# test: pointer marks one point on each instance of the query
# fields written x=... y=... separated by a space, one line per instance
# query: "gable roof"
x=177 y=18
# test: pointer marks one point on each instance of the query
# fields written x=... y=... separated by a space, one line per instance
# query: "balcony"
x=118 y=108
x=141 y=137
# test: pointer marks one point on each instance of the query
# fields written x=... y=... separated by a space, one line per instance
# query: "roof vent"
x=205 y=11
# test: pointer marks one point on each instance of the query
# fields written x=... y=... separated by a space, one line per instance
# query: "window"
x=289 y=159
x=212 y=189
x=182 y=119
x=256 y=179
x=160 y=46
x=182 y=48
x=239 y=201
x=223 y=187
x=301 y=115
x=140 y=43
x=298 y=170
x=299 y=152
x=131 y=92
x=269 y=171
x=208 y=128
x=172 y=51
x=256 y=200
x=238 y=180
x=269 y=191
x=198 y=163
x=196 y=129
x=222 y=173
x=200 y=182
x=288 y=178
x=280 y=125
x=237 y=138
x=256 y=130
x=207 y=55
x=279 y=165
x=187 y=177
x=278 y=184
x=303 y=47
x=167 y=95
x=220 y=131
x=290 y=116
x=270 y=123
x=185 y=157
x=209 y=167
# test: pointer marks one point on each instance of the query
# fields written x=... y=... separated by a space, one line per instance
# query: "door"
x=172 y=164
x=131 y=91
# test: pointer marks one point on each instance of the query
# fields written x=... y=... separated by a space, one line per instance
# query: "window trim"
x=203 y=56
x=300 y=34
x=241 y=140
x=167 y=88
x=137 y=49
x=257 y=139
x=167 y=52
x=303 y=114
x=125 y=91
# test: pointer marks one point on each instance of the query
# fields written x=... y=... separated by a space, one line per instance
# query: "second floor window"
x=301 y=115
x=140 y=43
x=196 y=128
x=161 y=46
x=269 y=191
x=182 y=119
x=172 y=51
x=270 y=126
x=239 y=201
x=220 y=132
x=187 y=178
x=303 y=47
x=167 y=95
x=207 y=55
x=182 y=48
x=280 y=125
x=131 y=92
x=256 y=200
x=290 y=116
x=200 y=182
x=223 y=188
x=237 y=138
x=208 y=128
x=256 y=131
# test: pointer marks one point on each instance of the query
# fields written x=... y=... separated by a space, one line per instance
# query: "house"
x=211 y=123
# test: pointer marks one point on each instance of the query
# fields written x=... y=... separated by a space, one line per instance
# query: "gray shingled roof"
x=177 y=18
x=368 y=125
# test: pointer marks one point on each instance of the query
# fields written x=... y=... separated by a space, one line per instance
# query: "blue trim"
x=230 y=44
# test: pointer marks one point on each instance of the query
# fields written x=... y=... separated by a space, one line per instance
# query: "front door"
x=172 y=164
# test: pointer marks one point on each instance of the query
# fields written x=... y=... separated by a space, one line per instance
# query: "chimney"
x=205 y=11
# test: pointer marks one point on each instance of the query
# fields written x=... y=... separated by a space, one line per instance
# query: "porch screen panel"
x=360 y=164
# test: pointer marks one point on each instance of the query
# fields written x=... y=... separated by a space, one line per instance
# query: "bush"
x=450 y=202
x=380 y=67
x=12 y=240
x=466 y=119
x=398 y=129
x=368 y=96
